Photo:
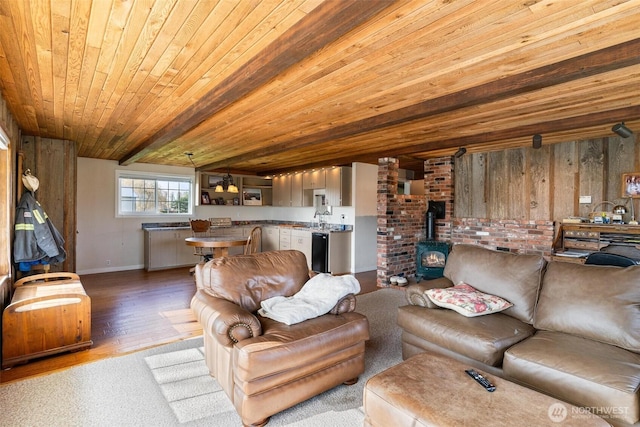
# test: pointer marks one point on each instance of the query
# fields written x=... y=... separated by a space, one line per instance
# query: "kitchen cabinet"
x=340 y=252
x=313 y=180
x=301 y=241
x=285 y=238
x=234 y=232
x=246 y=232
x=287 y=190
x=331 y=252
x=270 y=239
x=296 y=189
x=338 y=186
x=227 y=231
x=282 y=190
x=166 y=249
x=184 y=254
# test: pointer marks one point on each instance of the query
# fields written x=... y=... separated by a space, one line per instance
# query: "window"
x=141 y=194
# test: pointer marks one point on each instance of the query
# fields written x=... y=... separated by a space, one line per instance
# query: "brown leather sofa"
x=573 y=332
x=265 y=366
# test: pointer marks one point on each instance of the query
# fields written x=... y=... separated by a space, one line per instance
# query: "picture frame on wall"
x=252 y=197
x=204 y=199
x=631 y=184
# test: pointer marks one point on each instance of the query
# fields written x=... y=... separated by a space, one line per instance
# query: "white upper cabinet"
x=282 y=190
x=313 y=180
x=338 y=186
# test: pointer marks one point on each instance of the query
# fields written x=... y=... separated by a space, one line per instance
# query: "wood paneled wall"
x=7 y=211
x=53 y=162
x=545 y=184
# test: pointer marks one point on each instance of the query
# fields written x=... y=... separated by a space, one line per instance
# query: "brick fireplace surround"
x=401 y=222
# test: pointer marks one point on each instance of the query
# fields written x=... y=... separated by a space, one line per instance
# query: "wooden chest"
x=49 y=313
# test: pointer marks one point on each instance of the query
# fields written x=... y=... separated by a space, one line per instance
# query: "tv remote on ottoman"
x=480 y=379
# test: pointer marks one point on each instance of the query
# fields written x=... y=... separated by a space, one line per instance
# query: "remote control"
x=480 y=379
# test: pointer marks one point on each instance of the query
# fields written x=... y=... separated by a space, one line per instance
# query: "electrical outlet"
x=108 y=262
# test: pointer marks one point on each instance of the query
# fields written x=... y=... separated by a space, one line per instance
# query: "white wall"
x=106 y=243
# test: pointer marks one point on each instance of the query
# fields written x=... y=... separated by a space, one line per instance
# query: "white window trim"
x=152 y=175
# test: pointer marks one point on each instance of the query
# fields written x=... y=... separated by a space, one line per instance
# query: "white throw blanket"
x=317 y=297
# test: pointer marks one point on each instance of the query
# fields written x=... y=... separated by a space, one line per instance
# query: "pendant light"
x=232 y=188
x=226 y=184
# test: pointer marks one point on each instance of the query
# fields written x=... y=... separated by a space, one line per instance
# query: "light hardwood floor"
x=133 y=310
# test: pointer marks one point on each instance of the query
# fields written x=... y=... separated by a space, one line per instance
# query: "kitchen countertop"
x=332 y=228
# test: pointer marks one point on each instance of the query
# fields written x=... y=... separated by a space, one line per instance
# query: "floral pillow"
x=467 y=300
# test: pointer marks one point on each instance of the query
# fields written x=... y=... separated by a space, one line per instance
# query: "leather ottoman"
x=433 y=390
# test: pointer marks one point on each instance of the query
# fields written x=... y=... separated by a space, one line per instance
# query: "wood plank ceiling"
x=260 y=87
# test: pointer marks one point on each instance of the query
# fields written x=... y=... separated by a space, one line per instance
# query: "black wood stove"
x=431 y=255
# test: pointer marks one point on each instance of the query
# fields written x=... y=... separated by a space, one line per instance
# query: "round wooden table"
x=220 y=244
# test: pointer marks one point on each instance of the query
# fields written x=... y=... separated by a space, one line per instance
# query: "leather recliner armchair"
x=265 y=366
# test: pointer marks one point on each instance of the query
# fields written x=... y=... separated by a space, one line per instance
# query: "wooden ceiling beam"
x=571 y=123
x=323 y=25
x=601 y=61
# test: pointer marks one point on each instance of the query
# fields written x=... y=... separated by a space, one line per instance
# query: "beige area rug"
x=170 y=386
x=187 y=386
x=194 y=395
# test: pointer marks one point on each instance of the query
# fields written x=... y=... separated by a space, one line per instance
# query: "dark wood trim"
x=602 y=61
x=325 y=24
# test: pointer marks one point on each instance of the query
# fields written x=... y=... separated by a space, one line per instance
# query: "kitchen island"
x=164 y=243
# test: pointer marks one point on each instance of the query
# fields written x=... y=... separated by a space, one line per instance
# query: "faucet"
x=320 y=216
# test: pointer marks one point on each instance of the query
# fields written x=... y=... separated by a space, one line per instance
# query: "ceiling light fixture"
x=622 y=130
x=537 y=141
x=460 y=152
x=189 y=155
x=226 y=184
